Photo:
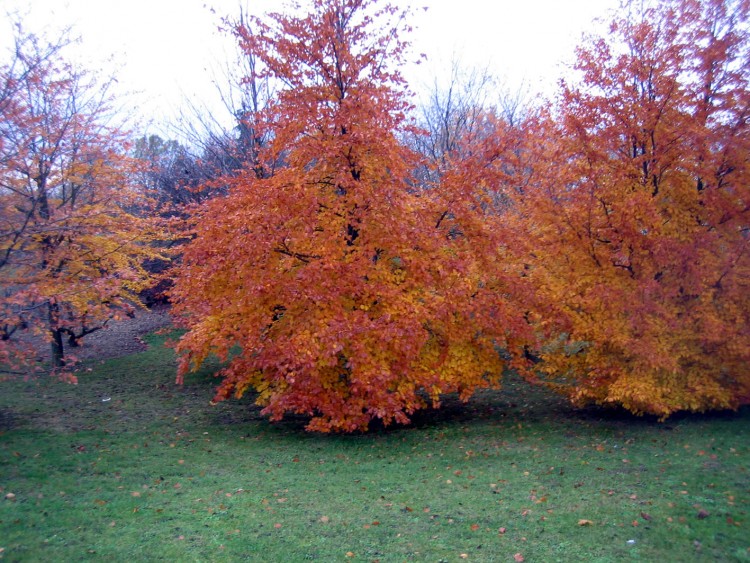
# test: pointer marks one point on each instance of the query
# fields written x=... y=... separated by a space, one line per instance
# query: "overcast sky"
x=165 y=50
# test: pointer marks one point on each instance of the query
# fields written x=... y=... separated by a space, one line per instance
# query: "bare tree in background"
x=458 y=115
x=225 y=142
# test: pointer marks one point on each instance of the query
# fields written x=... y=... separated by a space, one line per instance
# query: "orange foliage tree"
x=636 y=225
x=331 y=282
x=72 y=235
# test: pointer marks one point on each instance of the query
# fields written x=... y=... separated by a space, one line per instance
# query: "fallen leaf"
x=474 y=527
x=502 y=530
x=324 y=519
x=646 y=516
x=350 y=554
x=277 y=525
x=583 y=522
x=518 y=557
x=703 y=514
x=10 y=496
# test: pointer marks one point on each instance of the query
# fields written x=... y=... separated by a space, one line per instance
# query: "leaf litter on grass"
x=468 y=473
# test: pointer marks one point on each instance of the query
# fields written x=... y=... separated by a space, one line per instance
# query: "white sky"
x=164 y=50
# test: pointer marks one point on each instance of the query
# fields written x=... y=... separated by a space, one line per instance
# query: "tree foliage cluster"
x=353 y=258
x=74 y=228
x=641 y=235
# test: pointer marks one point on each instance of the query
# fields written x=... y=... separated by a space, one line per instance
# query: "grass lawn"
x=127 y=466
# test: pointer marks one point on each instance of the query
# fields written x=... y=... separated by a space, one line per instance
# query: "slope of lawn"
x=127 y=466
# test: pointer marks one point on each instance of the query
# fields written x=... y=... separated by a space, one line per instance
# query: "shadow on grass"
x=133 y=391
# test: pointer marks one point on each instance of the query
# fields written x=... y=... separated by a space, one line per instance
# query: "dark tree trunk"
x=56 y=344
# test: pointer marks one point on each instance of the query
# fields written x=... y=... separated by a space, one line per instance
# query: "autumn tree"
x=334 y=286
x=636 y=229
x=71 y=244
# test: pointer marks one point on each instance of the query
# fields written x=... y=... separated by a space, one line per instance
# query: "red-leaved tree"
x=333 y=284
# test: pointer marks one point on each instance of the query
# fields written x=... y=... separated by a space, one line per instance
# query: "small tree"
x=342 y=284
x=71 y=246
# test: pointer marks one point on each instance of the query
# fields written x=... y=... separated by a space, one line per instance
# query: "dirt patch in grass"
x=123 y=337
x=119 y=338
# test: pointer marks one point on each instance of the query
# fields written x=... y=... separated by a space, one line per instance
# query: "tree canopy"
x=351 y=292
x=72 y=240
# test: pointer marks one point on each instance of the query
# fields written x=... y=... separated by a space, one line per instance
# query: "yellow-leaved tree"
x=74 y=231
x=636 y=224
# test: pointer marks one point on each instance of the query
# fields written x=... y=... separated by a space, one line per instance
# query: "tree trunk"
x=56 y=343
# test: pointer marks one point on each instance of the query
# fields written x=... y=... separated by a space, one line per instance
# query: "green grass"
x=156 y=473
